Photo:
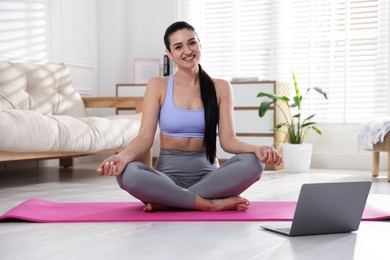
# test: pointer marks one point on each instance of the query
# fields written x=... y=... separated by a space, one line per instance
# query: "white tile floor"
x=188 y=240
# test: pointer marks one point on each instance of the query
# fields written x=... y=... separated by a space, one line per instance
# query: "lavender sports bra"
x=180 y=122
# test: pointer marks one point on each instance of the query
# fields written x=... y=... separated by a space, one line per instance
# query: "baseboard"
x=359 y=161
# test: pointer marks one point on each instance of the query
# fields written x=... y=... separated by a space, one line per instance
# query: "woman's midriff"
x=188 y=144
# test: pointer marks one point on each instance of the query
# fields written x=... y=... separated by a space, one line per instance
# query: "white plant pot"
x=297 y=157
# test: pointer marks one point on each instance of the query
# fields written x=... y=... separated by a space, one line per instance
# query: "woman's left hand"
x=268 y=155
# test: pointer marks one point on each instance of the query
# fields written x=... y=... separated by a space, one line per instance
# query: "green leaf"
x=284 y=99
x=264 y=106
x=309 y=117
x=297 y=115
x=319 y=90
x=280 y=125
x=298 y=101
x=315 y=129
x=298 y=96
x=269 y=95
x=308 y=124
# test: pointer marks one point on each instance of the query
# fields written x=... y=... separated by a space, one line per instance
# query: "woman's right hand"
x=112 y=166
x=268 y=155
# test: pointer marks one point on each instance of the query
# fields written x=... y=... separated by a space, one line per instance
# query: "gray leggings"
x=178 y=176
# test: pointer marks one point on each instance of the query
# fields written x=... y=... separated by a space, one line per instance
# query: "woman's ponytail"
x=211 y=112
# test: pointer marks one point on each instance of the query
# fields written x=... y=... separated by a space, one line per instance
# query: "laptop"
x=325 y=208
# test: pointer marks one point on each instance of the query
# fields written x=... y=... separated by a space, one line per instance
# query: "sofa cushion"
x=46 y=89
x=31 y=131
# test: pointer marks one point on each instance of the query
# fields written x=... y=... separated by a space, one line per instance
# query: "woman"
x=189 y=107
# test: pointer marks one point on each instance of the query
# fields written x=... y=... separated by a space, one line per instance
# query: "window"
x=235 y=35
x=338 y=45
x=23 y=30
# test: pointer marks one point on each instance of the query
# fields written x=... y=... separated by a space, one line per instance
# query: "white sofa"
x=42 y=116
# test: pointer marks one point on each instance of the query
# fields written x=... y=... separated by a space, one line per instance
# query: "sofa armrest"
x=135 y=103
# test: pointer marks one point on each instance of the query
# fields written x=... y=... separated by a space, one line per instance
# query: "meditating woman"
x=189 y=107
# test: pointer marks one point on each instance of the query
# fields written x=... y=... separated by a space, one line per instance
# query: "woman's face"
x=185 y=48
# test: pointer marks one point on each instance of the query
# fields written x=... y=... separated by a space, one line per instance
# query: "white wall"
x=73 y=41
x=336 y=148
x=129 y=30
x=111 y=31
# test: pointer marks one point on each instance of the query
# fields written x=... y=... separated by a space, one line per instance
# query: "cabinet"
x=248 y=125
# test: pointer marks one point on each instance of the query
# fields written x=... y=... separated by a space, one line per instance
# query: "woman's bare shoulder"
x=157 y=85
x=158 y=81
x=222 y=82
x=222 y=85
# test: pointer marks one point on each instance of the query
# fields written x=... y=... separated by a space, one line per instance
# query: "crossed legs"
x=216 y=191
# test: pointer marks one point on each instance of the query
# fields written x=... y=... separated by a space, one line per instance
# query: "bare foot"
x=153 y=207
x=224 y=204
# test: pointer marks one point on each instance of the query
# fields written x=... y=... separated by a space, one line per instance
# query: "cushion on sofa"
x=45 y=88
x=32 y=131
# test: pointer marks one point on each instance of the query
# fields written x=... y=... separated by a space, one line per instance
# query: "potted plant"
x=294 y=125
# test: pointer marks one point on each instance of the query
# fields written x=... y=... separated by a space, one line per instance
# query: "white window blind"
x=226 y=30
x=339 y=45
x=24 y=30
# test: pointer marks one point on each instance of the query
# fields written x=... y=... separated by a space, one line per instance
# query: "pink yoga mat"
x=36 y=210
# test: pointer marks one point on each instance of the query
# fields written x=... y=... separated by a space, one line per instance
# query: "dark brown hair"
x=208 y=95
